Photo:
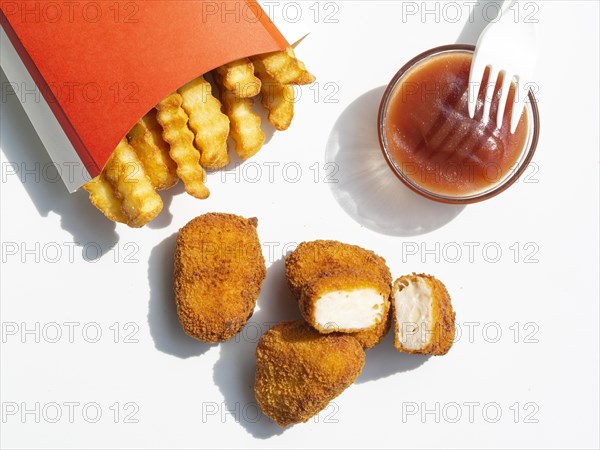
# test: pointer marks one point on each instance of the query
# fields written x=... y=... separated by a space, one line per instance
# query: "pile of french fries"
x=187 y=133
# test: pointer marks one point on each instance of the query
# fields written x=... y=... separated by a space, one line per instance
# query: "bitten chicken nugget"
x=209 y=124
x=219 y=270
x=278 y=99
x=284 y=67
x=146 y=139
x=238 y=78
x=424 y=319
x=125 y=172
x=345 y=300
x=103 y=197
x=245 y=123
x=173 y=120
x=299 y=371
x=310 y=259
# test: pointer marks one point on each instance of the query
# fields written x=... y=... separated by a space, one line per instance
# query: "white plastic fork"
x=507 y=46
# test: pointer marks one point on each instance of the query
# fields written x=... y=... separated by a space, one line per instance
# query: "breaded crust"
x=340 y=280
x=299 y=371
x=443 y=317
x=219 y=270
x=373 y=336
x=310 y=259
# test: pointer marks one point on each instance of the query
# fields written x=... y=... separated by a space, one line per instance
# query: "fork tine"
x=489 y=93
x=521 y=95
x=504 y=89
x=475 y=80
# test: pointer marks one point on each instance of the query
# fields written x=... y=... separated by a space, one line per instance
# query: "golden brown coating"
x=435 y=331
x=345 y=300
x=373 y=336
x=312 y=258
x=219 y=270
x=299 y=371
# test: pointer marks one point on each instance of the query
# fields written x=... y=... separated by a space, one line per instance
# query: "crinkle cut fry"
x=244 y=122
x=238 y=78
x=103 y=197
x=194 y=134
x=173 y=120
x=139 y=201
x=208 y=123
x=284 y=67
x=146 y=139
x=277 y=98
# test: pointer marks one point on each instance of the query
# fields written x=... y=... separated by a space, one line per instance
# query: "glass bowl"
x=503 y=182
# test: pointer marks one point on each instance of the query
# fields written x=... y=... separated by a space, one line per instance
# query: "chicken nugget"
x=208 y=123
x=284 y=67
x=310 y=259
x=173 y=120
x=125 y=172
x=424 y=319
x=238 y=78
x=345 y=300
x=146 y=139
x=219 y=270
x=299 y=371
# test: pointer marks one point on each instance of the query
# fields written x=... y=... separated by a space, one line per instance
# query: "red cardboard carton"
x=101 y=65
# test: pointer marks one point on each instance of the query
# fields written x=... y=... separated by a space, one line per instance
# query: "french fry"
x=279 y=101
x=103 y=197
x=284 y=67
x=277 y=98
x=139 y=201
x=245 y=123
x=206 y=120
x=188 y=131
x=146 y=139
x=238 y=78
x=173 y=119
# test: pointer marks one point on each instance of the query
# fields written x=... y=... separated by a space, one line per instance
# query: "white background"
x=540 y=373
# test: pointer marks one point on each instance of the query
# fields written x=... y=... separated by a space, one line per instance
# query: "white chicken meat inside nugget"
x=424 y=319
x=345 y=300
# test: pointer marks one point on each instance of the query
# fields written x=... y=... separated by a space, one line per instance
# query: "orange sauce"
x=432 y=138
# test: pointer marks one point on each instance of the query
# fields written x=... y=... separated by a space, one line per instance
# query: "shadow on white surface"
x=384 y=360
x=24 y=150
x=234 y=371
x=27 y=156
x=366 y=188
x=163 y=322
x=165 y=218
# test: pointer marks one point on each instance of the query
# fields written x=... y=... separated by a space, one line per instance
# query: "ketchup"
x=432 y=139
